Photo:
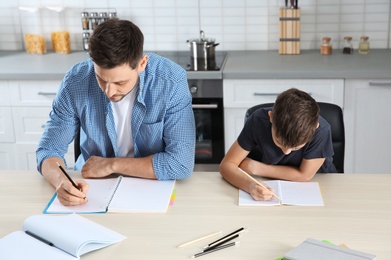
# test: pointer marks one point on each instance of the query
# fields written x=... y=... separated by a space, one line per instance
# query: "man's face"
x=119 y=81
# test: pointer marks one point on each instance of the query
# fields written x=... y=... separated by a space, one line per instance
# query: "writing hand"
x=260 y=193
x=69 y=195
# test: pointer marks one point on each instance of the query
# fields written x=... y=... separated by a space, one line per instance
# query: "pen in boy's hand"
x=257 y=182
x=69 y=178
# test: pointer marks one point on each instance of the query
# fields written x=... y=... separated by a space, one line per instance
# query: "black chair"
x=76 y=145
x=333 y=115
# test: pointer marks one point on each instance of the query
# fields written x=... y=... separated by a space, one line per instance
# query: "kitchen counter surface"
x=18 y=65
x=310 y=64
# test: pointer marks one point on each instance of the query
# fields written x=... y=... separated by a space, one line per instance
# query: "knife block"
x=289 y=31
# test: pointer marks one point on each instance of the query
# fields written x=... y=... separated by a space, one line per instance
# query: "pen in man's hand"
x=69 y=178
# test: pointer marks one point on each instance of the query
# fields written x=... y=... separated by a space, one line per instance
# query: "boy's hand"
x=259 y=193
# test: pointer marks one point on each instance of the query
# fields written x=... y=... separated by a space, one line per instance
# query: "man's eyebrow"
x=117 y=82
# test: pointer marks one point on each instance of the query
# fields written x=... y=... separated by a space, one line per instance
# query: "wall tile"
x=235 y=24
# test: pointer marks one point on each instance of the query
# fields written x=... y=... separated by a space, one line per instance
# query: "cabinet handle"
x=47 y=93
x=265 y=94
x=380 y=84
x=272 y=94
x=205 y=106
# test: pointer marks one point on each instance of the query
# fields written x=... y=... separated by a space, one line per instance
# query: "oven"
x=206 y=86
x=209 y=120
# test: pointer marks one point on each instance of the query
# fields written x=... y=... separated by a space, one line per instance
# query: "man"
x=133 y=109
x=295 y=143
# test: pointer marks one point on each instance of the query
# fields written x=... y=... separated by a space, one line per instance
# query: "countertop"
x=310 y=64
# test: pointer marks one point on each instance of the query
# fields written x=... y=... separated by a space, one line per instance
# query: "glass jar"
x=32 y=29
x=347 y=45
x=326 y=48
x=363 y=47
x=85 y=23
x=94 y=18
x=86 y=38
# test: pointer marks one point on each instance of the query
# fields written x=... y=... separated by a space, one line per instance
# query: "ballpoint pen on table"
x=215 y=249
x=257 y=182
x=199 y=239
x=69 y=178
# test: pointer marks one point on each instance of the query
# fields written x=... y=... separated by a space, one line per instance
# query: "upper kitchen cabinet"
x=239 y=95
x=368 y=124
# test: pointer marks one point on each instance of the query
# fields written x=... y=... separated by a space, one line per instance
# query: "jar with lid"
x=326 y=48
x=347 y=45
x=103 y=17
x=94 y=20
x=112 y=15
x=32 y=30
x=60 y=36
x=363 y=47
x=85 y=21
x=86 y=38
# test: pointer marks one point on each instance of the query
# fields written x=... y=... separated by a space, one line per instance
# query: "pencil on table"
x=257 y=182
x=199 y=239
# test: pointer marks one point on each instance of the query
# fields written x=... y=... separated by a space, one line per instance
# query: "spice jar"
x=363 y=47
x=347 y=45
x=326 y=48
x=94 y=20
x=86 y=38
x=103 y=17
x=85 y=21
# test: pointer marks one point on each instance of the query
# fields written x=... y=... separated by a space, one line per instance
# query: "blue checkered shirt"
x=162 y=119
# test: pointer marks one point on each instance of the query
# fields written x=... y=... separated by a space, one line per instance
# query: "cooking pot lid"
x=202 y=39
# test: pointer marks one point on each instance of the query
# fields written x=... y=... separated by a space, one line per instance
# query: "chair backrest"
x=76 y=145
x=333 y=115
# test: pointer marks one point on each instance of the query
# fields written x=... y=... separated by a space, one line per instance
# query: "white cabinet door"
x=7 y=156
x=6 y=125
x=368 y=124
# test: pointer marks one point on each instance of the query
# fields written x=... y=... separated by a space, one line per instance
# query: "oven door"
x=209 y=120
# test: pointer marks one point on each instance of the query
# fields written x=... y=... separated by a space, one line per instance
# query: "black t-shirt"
x=257 y=135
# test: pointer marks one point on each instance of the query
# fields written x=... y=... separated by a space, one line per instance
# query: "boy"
x=295 y=143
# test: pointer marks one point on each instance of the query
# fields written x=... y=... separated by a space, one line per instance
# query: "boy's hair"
x=295 y=117
x=116 y=42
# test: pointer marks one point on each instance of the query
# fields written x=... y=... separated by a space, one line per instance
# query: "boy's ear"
x=270 y=115
x=317 y=126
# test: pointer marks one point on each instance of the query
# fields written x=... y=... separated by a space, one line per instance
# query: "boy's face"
x=277 y=142
x=285 y=150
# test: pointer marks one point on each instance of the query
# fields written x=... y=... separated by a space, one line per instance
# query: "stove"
x=184 y=59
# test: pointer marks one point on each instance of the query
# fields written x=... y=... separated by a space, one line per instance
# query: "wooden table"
x=357 y=213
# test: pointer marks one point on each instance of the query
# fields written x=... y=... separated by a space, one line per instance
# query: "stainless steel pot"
x=203 y=52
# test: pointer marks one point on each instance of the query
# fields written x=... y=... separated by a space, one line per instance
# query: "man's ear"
x=317 y=126
x=270 y=116
x=143 y=63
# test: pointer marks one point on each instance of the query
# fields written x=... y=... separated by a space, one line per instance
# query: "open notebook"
x=291 y=193
x=56 y=237
x=122 y=194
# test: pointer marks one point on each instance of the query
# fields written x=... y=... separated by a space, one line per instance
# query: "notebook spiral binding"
x=115 y=190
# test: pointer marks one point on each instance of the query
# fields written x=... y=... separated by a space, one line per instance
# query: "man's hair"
x=295 y=117
x=116 y=42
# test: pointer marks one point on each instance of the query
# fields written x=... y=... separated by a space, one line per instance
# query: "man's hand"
x=69 y=195
x=96 y=167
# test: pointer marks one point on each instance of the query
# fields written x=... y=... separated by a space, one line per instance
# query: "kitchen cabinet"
x=239 y=95
x=368 y=124
x=24 y=111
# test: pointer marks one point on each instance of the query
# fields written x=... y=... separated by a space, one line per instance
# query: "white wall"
x=235 y=24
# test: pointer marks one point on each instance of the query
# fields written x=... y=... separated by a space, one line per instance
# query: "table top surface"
x=357 y=213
